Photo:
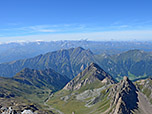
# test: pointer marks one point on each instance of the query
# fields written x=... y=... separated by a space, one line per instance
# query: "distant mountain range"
x=22 y=50
x=134 y=63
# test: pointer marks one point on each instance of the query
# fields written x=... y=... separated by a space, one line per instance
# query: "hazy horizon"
x=37 y=40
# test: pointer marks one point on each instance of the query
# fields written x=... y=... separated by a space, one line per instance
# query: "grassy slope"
x=78 y=106
x=12 y=87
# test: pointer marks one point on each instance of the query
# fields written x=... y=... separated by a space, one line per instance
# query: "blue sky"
x=75 y=19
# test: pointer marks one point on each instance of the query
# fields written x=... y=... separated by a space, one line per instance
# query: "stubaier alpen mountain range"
x=78 y=81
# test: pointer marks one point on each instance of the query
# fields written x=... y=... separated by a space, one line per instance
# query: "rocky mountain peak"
x=90 y=75
x=125 y=78
x=94 y=65
x=124 y=95
x=126 y=83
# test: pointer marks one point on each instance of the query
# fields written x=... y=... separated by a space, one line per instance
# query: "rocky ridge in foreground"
x=94 y=91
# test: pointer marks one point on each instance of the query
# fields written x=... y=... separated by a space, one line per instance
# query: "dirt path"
x=144 y=104
x=51 y=108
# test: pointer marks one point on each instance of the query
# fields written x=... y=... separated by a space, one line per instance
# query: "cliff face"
x=125 y=98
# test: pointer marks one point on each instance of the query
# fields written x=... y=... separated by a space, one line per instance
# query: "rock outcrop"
x=10 y=106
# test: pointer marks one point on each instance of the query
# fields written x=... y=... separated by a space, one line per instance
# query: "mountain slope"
x=32 y=84
x=28 y=90
x=68 y=62
x=41 y=78
x=134 y=63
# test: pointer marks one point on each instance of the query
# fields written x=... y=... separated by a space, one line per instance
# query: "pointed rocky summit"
x=90 y=75
x=124 y=97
